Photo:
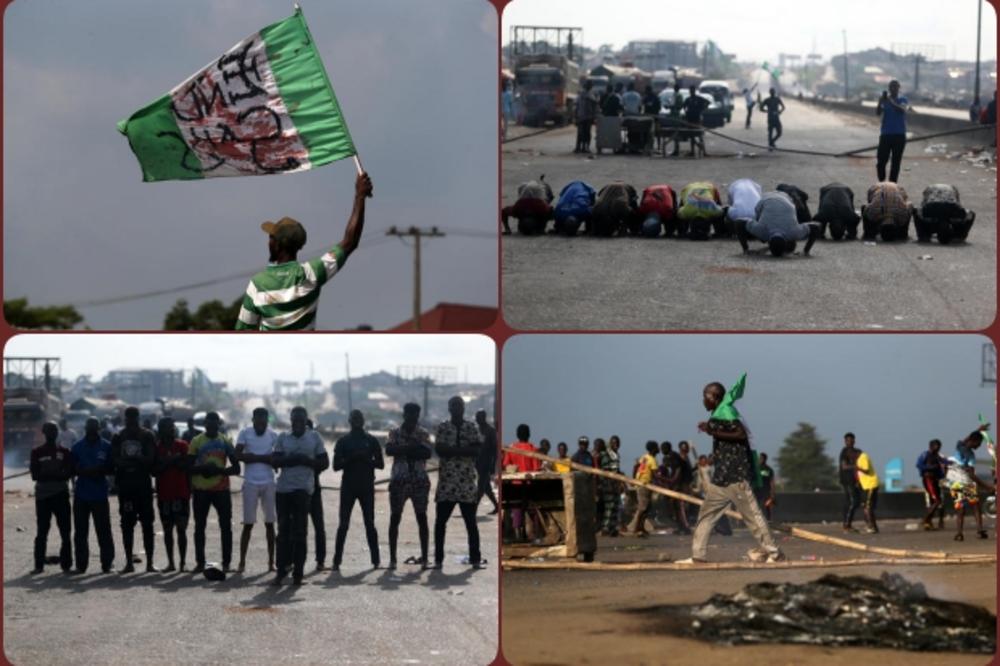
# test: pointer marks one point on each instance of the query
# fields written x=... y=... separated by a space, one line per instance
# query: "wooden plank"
x=787 y=529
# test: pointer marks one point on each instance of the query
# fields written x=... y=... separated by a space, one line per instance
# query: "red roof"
x=452 y=317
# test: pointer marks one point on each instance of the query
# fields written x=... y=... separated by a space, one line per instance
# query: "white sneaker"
x=757 y=555
x=689 y=560
x=776 y=556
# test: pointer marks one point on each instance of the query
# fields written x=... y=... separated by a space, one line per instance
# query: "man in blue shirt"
x=299 y=454
x=964 y=483
x=91 y=465
x=892 y=139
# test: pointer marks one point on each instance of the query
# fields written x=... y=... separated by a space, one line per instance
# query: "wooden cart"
x=567 y=505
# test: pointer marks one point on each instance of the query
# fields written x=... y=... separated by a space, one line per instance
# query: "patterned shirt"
x=457 y=477
x=211 y=451
x=732 y=459
x=887 y=201
x=699 y=201
x=284 y=297
x=404 y=468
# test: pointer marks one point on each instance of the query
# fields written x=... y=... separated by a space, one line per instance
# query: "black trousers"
x=749 y=113
x=202 y=501
x=889 y=145
x=365 y=496
x=137 y=508
x=852 y=500
x=316 y=513
x=773 y=131
x=583 y=134
x=443 y=513
x=293 y=525
x=45 y=509
x=101 y=512
x=485 y=481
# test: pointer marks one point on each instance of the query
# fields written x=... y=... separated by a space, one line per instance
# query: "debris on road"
x=889 y=612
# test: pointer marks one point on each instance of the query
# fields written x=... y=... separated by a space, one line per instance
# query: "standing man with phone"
x=892 y=140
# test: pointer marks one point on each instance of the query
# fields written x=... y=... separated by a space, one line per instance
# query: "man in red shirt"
x=173 y=492
x=523 y=464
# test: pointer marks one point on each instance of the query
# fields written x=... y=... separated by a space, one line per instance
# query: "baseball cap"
x=286 y=231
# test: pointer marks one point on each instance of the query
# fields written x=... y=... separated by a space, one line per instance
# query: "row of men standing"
x=197 y=474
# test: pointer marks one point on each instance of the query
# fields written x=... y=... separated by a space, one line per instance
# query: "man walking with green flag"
x=264 y=107
x=730 y=482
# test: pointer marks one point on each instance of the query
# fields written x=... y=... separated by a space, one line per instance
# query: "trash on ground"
x=937 y=148
x=888 y=612
x=925 y=257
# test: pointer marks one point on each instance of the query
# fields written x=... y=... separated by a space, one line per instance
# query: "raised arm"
x=352 y=235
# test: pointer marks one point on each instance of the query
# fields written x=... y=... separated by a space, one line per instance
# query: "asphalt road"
x=587 y=610
x=666 y=284
x=357 y=616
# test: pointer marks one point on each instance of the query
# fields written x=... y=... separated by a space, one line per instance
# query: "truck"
x=25 y=409
x=548 y=85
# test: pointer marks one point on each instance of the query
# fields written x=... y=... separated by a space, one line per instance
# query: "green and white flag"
x=264 y=107
x=726 y=410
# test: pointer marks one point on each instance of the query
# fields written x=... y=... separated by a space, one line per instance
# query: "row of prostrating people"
x=779 y=218
x=197 y=473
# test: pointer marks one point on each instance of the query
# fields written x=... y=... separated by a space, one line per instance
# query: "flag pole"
x=357 y=159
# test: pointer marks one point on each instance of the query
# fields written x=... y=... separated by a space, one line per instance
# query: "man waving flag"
x=264 y=107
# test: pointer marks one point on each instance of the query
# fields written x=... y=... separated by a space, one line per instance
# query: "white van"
x=721 y=93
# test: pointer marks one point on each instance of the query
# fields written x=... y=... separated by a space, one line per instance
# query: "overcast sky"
x=895 y=392
x=417 y=85
x=760 y=30
x=253 y=361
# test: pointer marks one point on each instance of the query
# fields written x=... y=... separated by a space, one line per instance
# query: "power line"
x=182 y=288
x=417 y=233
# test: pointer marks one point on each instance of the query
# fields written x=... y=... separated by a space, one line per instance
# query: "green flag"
x=990 y=444
x=726 y=411
x=264 y=107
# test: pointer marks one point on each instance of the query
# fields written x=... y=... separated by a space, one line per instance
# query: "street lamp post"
x=979 y=34
x=846 y=95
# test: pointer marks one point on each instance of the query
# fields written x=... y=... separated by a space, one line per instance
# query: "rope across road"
x=796 y=151
x=786 y=529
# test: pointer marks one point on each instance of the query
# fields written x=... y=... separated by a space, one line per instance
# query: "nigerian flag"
x=726 y=411
x=264 y=107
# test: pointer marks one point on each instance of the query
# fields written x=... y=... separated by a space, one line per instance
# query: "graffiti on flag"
x=232 y=119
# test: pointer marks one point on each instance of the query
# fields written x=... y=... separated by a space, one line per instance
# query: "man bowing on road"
x=284 y=296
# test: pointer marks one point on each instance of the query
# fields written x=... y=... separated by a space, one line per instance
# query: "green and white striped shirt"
x=284 y=297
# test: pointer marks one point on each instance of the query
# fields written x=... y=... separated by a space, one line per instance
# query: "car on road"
x=721 y=93
x=714 y=115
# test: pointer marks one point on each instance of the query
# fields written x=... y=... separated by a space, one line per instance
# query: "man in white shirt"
x=67 y=436
x=632 y=101
x=254 y=448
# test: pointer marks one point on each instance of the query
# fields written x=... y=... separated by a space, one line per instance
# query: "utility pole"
x=350 y=402
x=979 y=35
x=846 y=95
x=417 y=234
x=916 y=72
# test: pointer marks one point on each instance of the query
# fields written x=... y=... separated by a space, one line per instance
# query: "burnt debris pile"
x=887 y=612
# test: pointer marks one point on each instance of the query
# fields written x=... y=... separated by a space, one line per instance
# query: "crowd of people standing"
x=281 y=474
